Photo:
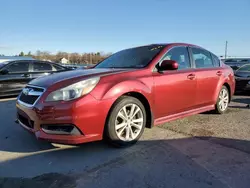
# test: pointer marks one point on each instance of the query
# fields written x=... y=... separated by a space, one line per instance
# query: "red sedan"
x=132 y=89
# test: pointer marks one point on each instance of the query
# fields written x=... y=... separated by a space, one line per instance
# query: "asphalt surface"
x=165 y=157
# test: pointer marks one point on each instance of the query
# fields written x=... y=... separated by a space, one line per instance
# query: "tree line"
x=73 y=58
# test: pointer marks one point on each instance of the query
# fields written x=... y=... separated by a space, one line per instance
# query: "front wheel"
x=223 y=101
x=126 y=122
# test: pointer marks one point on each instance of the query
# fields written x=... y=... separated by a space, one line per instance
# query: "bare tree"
x=75 y=58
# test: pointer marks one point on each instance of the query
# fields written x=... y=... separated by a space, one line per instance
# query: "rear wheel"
x=222 y=101
x=126 y=122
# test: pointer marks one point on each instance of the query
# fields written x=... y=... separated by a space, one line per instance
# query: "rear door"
x=40 y=69
x=15 y=79
x=208 y=73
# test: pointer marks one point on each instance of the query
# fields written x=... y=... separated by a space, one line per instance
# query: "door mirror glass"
x=3 y=72
x=168 y=65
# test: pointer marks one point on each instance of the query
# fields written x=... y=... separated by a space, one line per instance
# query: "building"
x=64 y=61
x=12 y=58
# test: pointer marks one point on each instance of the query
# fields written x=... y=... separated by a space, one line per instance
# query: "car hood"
x=52 y=79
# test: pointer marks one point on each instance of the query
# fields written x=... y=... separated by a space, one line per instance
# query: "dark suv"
x=14 y=75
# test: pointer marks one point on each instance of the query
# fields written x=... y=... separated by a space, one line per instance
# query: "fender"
x=111 y=90
x=123 y=87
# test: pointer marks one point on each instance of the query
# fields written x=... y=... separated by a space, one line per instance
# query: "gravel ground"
x=234 y=124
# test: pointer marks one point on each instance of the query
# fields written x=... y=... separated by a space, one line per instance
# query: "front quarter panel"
x=116 y=87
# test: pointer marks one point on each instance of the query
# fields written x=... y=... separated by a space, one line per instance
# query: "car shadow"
x=100 y=164
x=242 y=100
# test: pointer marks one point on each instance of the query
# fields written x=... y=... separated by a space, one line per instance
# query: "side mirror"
x=167 y=65
x=3 y=72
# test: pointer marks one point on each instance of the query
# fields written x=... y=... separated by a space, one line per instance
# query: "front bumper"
x=87 y=114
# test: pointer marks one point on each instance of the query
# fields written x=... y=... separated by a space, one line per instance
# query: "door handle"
x=191 y=76
x=219 y=73
x=25 y=75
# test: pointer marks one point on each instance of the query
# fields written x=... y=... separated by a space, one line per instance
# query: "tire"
x=219 y=108
x=120 y=126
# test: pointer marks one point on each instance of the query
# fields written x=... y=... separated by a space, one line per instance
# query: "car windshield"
x=244 y=68
x=131 y=58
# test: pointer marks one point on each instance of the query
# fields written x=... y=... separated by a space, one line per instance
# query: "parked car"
x=14 y=75
x=130 y=90
x=242 y=77
x=236 y=63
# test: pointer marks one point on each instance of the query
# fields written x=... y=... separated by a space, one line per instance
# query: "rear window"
x=41 y=67
x=202 y=58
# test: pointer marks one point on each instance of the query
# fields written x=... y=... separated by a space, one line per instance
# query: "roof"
x=170 y=44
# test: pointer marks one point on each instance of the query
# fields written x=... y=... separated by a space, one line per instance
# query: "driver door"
x=15 y=78
x=175 y=90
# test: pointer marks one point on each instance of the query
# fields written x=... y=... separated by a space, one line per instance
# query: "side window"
x=202 y=58
x=58 y=68
x=18 y=67
x=216 y=61
x=41 y=67
x=180 y=55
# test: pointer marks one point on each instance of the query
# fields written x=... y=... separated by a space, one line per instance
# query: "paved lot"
x=234 y=125
x=167 y=156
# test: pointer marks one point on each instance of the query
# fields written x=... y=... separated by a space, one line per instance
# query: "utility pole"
x=226 y=50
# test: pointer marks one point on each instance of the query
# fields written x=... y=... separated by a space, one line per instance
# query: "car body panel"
x=13 y=83
x=207 y=82
x=82 y=113
x=77 y=75
x=173 y=85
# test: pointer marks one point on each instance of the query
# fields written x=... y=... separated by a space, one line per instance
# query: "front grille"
x=30 y=95
x=25 y=121
x=28 y=99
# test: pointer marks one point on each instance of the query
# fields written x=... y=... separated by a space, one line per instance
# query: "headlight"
x=73 y=91
x=249 y=82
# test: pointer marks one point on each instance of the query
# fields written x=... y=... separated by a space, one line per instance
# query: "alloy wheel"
x=129 y=122
x=223 y=99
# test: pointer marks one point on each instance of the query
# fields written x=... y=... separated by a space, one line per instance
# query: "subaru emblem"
x=26 y=91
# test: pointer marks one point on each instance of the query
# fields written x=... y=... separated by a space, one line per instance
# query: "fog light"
x=61 y=129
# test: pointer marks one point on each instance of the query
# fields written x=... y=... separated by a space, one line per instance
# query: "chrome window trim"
x=31 y=105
